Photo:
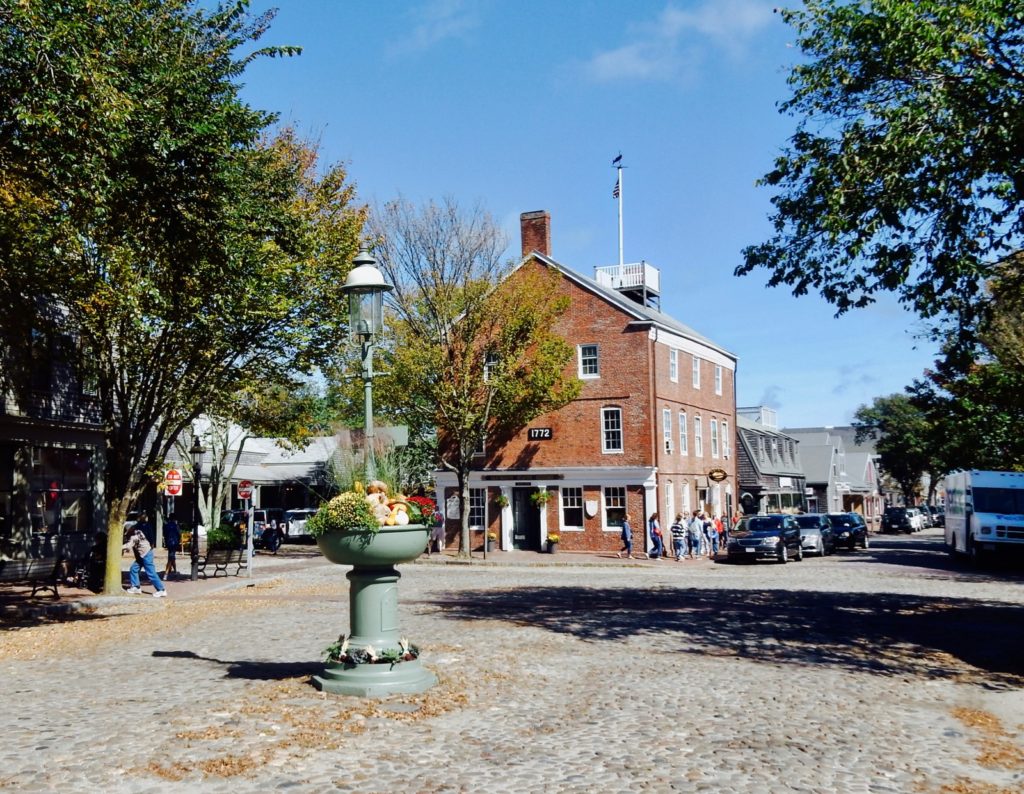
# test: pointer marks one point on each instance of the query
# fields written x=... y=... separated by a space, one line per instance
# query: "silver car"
x=295 y=522
x=816 y=535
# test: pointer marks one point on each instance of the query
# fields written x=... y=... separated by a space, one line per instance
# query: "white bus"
x=984 y=512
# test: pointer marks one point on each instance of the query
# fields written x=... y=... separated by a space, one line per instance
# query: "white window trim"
x=684 y=434
x=696 y=372
x=666 y=429
x=561 y=509
x=470 y=508
x=579 y=362
x=622 y=433
x=718 y=378
x=713 y=427
x=673 y=365
x=726 y=449
x=698 y=437
x=604 y=506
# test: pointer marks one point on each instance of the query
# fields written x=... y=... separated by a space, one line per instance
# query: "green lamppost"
x=373 y=554
x=365 y=288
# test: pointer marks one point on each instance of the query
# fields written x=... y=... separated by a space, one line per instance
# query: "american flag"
x=615 y=190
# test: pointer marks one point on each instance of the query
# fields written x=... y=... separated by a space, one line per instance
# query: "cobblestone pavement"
x=885 y=670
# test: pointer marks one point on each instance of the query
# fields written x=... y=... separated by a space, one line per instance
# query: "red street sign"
x=172 y=482
x=245 y=489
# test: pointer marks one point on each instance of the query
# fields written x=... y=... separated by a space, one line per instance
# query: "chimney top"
x=535 y=229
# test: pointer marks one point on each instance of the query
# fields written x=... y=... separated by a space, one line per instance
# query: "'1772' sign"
x=539 y=434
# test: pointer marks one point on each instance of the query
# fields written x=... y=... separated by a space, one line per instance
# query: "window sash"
x=666 y=423
x=684 y=433
x=611 y=430
x=572 y=508
x=614 y=499
x=673 y=366
x=696 y=372
x=478 y=507
x=698 y=437
x=590 y=363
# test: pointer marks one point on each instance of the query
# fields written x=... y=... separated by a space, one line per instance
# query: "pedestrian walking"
x=172 y=540
x=627 y=538
x=694 y=531
x=136 y=542
x=678 y=536
x=657 y=540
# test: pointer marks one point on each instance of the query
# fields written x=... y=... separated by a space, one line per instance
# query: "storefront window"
x=60 y=499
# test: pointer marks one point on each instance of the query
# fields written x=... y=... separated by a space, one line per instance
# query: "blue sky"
x=521 y=105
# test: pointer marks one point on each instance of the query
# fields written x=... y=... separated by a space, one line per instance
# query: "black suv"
x=776 y=536
x=897 y=519
x=849 y=530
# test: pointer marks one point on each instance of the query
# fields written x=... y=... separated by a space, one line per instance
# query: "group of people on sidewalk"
x=699 y=536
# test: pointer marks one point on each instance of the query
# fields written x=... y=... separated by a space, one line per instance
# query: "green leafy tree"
x=978 y=404
x=904 y=174
x=155 y=221
x=471 y=350
x=902 y=435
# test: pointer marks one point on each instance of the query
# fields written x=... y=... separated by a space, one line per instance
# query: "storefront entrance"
x=525 y=520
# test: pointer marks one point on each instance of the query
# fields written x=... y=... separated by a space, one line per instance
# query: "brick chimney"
x=535 y=229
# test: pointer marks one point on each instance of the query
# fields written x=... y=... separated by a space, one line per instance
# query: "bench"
x=43 y=573
x=221 y=560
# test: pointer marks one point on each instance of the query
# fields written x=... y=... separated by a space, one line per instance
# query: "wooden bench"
x=221 y=560
x=43 y=573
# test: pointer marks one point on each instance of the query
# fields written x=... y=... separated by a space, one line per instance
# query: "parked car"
x=267 y=526
x=816 y=534
x=849 y=530
x=898 y=519
x=756 y=537
x=931 y=515
x=295 y=522
x=917 y=518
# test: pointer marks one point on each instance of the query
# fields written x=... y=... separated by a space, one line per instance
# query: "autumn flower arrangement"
x=340 y=653
x=541 y=497
x=553 y=538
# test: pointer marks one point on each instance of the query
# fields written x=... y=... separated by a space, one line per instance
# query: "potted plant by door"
x=540 y=497
x=372 y=534
x=553 y=542
x=491 y=539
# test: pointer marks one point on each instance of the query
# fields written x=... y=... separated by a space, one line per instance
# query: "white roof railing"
x=634 y=275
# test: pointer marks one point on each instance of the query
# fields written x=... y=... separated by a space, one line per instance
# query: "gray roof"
x=817 y=461
x=857 y=471
x=846 y=432
x=640 y=312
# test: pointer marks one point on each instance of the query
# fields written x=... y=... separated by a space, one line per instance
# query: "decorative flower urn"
x=375 y=660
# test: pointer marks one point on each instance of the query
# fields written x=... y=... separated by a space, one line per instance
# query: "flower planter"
x=373 y=610
x=552 y=548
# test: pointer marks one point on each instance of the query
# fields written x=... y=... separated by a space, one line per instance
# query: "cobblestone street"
x=890 y=669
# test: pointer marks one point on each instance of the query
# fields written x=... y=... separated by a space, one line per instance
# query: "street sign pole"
x=248 y=538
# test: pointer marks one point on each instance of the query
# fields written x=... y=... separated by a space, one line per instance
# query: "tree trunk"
x=115 y=540
x=465 y=542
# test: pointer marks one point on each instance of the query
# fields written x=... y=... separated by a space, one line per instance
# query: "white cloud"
x=671 y=46
x=435 y=22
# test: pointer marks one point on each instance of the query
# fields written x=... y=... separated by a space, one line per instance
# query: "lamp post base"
x=375 y=680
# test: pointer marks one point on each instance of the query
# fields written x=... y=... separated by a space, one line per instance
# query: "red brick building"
x=652 y=430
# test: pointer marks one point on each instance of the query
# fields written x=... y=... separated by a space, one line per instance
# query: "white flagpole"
x=621 y=260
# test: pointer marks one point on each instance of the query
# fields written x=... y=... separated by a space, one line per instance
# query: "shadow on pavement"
x=929 y=553
x=886 y=634
x=251 y=671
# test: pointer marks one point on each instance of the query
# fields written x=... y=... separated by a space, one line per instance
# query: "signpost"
x=172 y=482
x=245 y=494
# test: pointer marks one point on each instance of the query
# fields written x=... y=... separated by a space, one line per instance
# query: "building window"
x=572 y=508
x=718 y=378
x=478 y=507
x=480 y=449
x=696 y=372
x=611 y=430
x=670 y=506
x=698 y=438
x=775 y=451
x=490 y=365
x=614 y=506
x=61 y=499
x=685 y=507
x=666 y=424
x=673 y=366
x=726 y=446
x=589 y=367
x=714 y=438
x=684 y=441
